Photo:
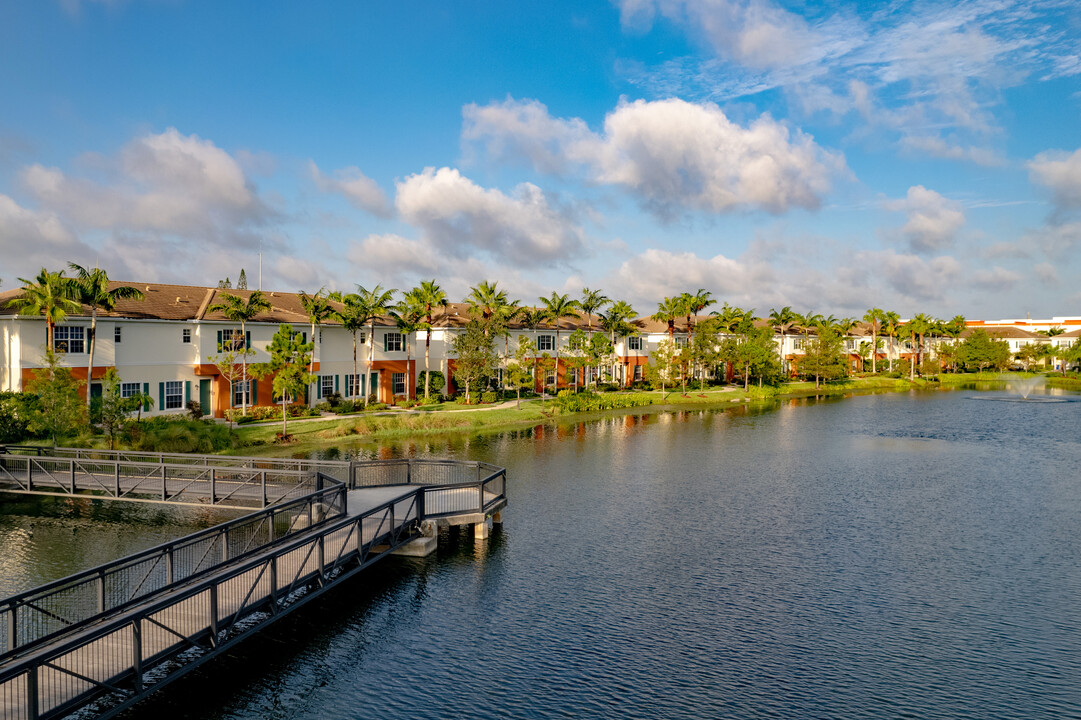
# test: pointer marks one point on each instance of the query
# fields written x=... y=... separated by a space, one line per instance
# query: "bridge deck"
x=114 y=658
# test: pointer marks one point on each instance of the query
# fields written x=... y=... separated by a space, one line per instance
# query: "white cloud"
x=995 y=279
x=1060 y=172
x=459 y=217
x=30 y=240
x=913 y=278
x=940 y=148
x=671 y=154
x=360 y=190
x=1046 y=273
x=1057 y=240
x=168 y=183
x=933 y=220
x=394 y=255
x=654 y=274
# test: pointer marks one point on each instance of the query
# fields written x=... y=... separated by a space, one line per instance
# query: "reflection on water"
x=906 y=555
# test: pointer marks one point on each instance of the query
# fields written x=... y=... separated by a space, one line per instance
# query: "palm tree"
x=784 y=320
x=319 y=309
x=531 y=318
x=617 y=322
x=556 y=308
x=873 y=317
x=505 y=314
x=409 y=317
x=891 y=328
x=429 y=296
x=351 y=316
x=667 y=311
x=236 y=309
x=49 y=294
x=592 y=301
x=92 y=288
x=919 y=326
x=375 y=303
x=694 y=304
x=484 y=301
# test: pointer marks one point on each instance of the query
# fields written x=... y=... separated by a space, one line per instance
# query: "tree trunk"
x=356 y=377
x=427 y=373
x=912 y=360
x=90 y=352
x=311 y=371
x=371 y=358
x=285 y=419
x=244 y=363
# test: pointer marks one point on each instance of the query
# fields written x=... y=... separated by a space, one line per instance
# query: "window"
x=392 y=342
x=399 y=383
x=352 y=385
x=545 y=342
x=232 y=340
x=637 y=373
x=129 y=390
x=116 y=333
x=634 y=343
x=681 y=342
x=239 y=388
x=68 y=338
x=549 y=377
x=186 y=335
x=174 y=394
x=572 y=376
x=326 y=385
x=361 y=338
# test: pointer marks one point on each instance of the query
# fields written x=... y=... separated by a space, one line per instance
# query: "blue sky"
x=918 y=157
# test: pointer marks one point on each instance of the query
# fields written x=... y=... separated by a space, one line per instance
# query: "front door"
x=204 y=396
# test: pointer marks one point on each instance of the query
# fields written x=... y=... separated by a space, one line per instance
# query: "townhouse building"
x=166 y=345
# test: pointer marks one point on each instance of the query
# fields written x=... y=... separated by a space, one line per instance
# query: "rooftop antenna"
x=260 y=263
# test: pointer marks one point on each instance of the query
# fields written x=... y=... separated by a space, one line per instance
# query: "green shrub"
x=569 y=402
x=176 y=433
x=406 y=404
x=375 y=406
x=433 y=399
x=15 y=409
x=438 y=382
x=491 y=397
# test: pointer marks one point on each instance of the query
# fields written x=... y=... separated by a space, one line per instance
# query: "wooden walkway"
x=112 y=660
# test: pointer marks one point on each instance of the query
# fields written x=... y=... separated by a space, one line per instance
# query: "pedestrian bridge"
x=101 y=640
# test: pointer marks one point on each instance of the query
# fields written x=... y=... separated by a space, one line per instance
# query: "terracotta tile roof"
x=1003 y=333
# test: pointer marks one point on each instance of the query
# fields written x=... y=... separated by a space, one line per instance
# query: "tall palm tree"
x=873 y=317
x=429 y=296
x=919 y=326
x=556 y=308
x=409 y=317
x=667 y=311
x=237 y=309
x=891 y=328
x=484 y=302
x=531 y=318
x=694 y=304
x=319 y=309
x=375 y=303
x=49 y=294
x=351 y=316
x=617 y=321
x=92 y=288
x=505 y=314
x=592 y=302
x=784 y=320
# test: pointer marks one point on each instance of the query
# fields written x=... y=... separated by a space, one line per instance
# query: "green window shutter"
x=219 y=341
x=386 y=339
x=254 y=392
x=146 y=402
x=187 y=392
x=336 y=383
x=318 y=387
x=161 y=396
x=247 y=340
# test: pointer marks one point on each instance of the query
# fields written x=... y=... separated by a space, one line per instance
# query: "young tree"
x=982 y=351
x=289 y=356
x=231 y=363
x=519 y=369
x=1070 y=355
x=91 y=287
x=374 y=304
x=476 y=356
x=556 y=308
x=242 y=281
x=600 y=351
x=237 y=309
x=430 y=296
x=822 y=358
x=59 y=412
x=318 y=308
x=577 y=357
x=664 y=366
x=114 y=408
x=542 y=365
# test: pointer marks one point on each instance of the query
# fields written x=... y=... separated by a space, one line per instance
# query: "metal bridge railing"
x=130 y=480
x=371 y=473
x=31 y=617
x=141 y=649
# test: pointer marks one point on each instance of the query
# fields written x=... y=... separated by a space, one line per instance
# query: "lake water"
x=883 y=556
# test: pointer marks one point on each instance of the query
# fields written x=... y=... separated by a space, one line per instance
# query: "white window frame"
x=546 y=343
x=229 y=339
x=174 y=395
x=638 y=373
x=185 y=336
x=70 y=335
x=634 y=342
x=352 y=385
x=117 y=334
x=391 y=339
x=238 y=386
x=130 y=389
x=398 y=380
x=326 y=385
x=549 y=377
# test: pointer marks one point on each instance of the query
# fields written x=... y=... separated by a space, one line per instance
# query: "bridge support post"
x=137 y=654
x=72 y=477
x=482 y=529
x=116 y=479
x=32 y=693
x=497 y=518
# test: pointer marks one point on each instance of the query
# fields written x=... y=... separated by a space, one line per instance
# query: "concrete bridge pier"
x=423 y=546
